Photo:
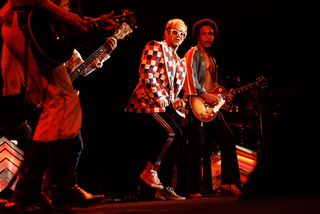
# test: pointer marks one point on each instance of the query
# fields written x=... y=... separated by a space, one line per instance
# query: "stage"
x=216 y=205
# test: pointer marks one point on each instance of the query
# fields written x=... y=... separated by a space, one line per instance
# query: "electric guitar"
x=121 y=33
x=206 y=113
x=55 y=40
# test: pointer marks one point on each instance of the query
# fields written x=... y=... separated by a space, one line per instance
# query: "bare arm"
x=72 y=19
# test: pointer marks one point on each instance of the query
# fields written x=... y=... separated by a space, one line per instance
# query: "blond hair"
x=173 y=22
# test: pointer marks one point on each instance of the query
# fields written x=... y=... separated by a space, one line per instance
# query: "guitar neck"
x=244 y=88
x=105 y=48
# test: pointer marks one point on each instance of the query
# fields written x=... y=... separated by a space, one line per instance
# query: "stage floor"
x=206 y=205
x=212 y=205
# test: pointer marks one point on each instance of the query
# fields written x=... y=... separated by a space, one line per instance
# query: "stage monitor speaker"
x=11 y=158
x=247 y=161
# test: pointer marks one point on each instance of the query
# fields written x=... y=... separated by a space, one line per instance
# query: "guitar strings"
x=104 y=48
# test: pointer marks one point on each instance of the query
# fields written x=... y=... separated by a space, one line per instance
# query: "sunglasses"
x=174 y=32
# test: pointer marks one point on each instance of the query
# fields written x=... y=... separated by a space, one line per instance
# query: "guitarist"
x=57 y=142
x=202 y=80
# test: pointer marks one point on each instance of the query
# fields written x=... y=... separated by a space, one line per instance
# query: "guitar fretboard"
x=81 y=68
x=260 y=81
x=105 y=48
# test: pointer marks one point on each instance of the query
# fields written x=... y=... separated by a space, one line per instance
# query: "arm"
x=192 y=85
x=150 y=65
x=104 y=23
x=195 y=80
x=72 y=19
x=4 y=10
x=61 y=14
x=104 y=56
x=76 y=59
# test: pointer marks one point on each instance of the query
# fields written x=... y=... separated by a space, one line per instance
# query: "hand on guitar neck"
x=228 y=97
x=98 y=56
x=100 y=59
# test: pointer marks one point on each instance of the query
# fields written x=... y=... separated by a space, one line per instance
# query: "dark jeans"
x=165 y=155
x=201 y=139
x=60 y=158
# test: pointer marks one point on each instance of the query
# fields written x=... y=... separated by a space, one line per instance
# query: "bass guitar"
x=55 y=40
x=206 y=112
x=121 y=33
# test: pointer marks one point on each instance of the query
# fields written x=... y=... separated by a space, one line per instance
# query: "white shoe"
x=168 y=194
x=150 y=177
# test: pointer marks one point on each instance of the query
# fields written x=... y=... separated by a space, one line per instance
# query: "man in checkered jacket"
x=162 y=74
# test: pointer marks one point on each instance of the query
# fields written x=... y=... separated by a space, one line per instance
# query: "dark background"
x=252 y=41
x=245 y=47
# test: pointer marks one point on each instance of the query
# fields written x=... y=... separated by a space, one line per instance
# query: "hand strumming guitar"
x=211 y=99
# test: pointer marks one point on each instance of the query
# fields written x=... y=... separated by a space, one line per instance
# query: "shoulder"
x=4 y=9
x=22 y=3
x=153 y=45
x=191 y=52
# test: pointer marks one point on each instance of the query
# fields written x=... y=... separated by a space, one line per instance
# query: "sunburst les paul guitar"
x=206 y=112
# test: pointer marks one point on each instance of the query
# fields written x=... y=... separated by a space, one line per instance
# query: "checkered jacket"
x=160 y=71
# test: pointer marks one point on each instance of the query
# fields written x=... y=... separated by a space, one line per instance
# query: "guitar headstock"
x=125 y=21
x=128 y=17
x=123 y=31
x=261 y=82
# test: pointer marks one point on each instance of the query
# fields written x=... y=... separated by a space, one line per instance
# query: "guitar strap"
x=215 y=68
